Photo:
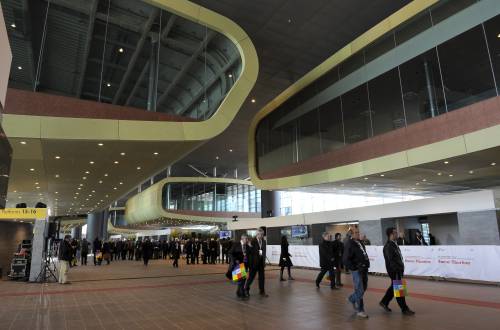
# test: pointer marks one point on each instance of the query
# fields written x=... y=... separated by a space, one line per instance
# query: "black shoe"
x=282 y=279
x=317 y=285
x=408 y=312
x=385 y=307
x=264 y=295
x=334 y=288
x=291 y=279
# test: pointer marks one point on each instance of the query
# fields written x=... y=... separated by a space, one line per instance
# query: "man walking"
x=65 y=256
x=84 y=251
x=257 y=262
x=395 y=269
x=326 y=260
x=356 y=260
x=338 y=251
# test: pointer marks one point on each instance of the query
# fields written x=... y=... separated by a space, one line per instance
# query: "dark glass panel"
x=356 y=112
x=331 y=126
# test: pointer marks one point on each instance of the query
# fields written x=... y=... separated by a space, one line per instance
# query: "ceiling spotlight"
x=366 y=178
x=32 y=169
x=138 y=167
x=107 y=195
x=230 y=75
x=217 y=157
x=417 y=183
x=57 y=192
x=77 y=193
x=424 y=180
x=23 y=142
x=471 y=172
x=57 y=175
x=120 y=50
x=121 y=182
x=253 y=100
x=79 y=188
x=84 y=178
x=155 y=153
x=91 y=163
x=86 y=199
x=493 y=164
x=19 y=67
x=93 y=191
x=114 y=188
x=498 y=35
x=450 y=175
x=382 y=175
x=446 y=162
x=100 y=181
x=37 y=187
x=439 y=173
x=13 y=25
x=58 y=157
x=230 y=150
x=122 y=153
x=108 y=84
x=81 y=184
x=116 y=162
x=105 y=174
x=100 y=144
x=36 y=183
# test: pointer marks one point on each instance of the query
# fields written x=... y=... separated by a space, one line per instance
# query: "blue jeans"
x=360 y=282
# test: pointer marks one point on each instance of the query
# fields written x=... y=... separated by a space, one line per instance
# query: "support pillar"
x=95 y=226
x=270 y=203
x=478 y=228
x=375 y=230
x=76 y=232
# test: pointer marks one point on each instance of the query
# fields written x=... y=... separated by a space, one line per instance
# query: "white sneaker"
x=362 y=315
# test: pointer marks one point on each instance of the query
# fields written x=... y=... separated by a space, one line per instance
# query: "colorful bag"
x=99 y=256
x=399 y=287
x=239 y=273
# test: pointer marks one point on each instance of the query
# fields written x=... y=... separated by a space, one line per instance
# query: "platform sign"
x=25 y=214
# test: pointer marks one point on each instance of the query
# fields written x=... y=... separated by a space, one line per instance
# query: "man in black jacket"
x=326 y=260
x=240 y=255
x=356 y=260
x=338 y=251
x=257 y=262
x=395 y=269
x=65 y=256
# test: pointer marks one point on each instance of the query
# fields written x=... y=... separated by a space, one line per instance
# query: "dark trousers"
x=389 y=294
x=146 y=260
x=338 y=271
x=253 y=272
x=176 y=263
x=193 y=257
x=322 y=273
x=84 y=258
x=204 y=258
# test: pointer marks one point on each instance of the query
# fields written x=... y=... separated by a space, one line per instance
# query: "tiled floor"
x=126 y=295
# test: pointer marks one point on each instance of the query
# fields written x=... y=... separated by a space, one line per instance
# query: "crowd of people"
x=335 y=254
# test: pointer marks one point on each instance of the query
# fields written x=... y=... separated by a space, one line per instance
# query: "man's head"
x=244 y=239
x=355 y=233
x=418 y=233
x=391 y=233
x=326 y=236
x=260 y=233
x=67 y=238
x=338 y=236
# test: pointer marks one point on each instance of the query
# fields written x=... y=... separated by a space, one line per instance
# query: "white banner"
x=469 y=262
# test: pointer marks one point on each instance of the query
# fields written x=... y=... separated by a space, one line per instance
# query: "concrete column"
x=375 y=230
x=478 y=228
x=95 y=226
x=270 y=203
x=76 y=232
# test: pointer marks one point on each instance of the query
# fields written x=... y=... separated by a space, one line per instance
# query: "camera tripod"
x=47 y=271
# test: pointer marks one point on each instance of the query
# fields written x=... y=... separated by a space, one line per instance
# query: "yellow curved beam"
x=344 y=172
x=135 y=130
x=147 y=205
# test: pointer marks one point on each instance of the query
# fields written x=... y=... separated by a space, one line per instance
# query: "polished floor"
x=127 y=295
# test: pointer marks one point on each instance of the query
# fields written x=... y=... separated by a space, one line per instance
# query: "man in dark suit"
x=338 y=251
x=419 y=239
x=239 y=255
x=326 y=260
x=257 y=262
x=395 y=269
x=175 y=249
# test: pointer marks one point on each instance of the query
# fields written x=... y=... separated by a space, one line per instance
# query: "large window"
x=458 y=72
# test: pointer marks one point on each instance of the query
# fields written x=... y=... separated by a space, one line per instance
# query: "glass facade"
x=461 y=71
x=217 y=197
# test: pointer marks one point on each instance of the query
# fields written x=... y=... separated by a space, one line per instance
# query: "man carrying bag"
x=239 y=256
x=395 y=269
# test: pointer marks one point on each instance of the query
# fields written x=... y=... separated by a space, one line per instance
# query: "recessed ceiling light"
x=138 y=167
x=493 y=164
x=79 y=188
x=105 y=174
x=81 y=184
x=122 y=153
x=471 y=172
x=19 y=67
x=253 y=100
x=100 y=144
x=37 y=187
x=100 y=181
x=366 y=178
x=86 y=199
x=32 y=169
x=58 y=157
x=116 y=162
x=498 y=35
x=91 y=162
x=115 y=188
x=439 y=173
x=450 y=175
x=121 y=182
x=77 y=193
x=57 y=192
x=23 y=142
x=382 y=175
x=424 y=180
x=155 y=153
x=107 y=195
x=108 y=84
x=93 y=191
x=57 y=175
x=217 y=157
x=19 y=197
x=446 y=162
x=120 y=50
x=36 y=183
x=74 y=197
x=84 y=178
x=230 y=150
x=230 y=75
x=13 y=25
x=15 y=191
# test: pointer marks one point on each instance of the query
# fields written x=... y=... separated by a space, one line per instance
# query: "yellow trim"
x=147 y=205
x=343 y=172
x=109 y=129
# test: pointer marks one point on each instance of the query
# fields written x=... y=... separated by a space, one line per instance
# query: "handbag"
x=400 y=289
x=239 y=272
